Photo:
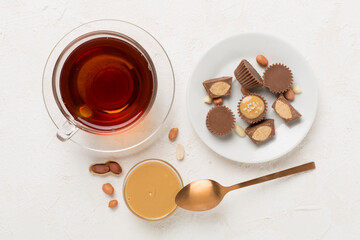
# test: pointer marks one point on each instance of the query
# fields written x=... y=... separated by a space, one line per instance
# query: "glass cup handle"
x=66 y=131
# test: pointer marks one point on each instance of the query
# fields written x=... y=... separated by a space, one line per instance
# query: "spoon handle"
x=284 y=173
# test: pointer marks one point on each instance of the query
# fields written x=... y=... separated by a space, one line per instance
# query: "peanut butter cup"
x=247 y=76
x=252 y=108
x=285 y=110
x=220 y=120
x=218 y=87
x=278 y=78
x=262 y=131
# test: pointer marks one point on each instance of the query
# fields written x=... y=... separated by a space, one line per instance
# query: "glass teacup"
x=81 y=122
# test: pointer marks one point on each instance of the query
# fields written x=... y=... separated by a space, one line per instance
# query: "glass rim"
x=136 y=166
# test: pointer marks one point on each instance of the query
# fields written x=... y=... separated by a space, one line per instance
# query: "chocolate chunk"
x=285 y=110
x=262 y=131
x=247 y=76
x=218 y=87
x=220 y=120
x=278 y=78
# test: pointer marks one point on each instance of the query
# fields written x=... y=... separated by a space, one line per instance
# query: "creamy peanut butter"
x=150 y=190
x=283 y=109
x=252 y=107
x=262 y=133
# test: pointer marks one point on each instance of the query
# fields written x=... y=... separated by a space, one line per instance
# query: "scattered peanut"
x=109 y=167
x=100 y=168
x=108 y=188
x=297 y=89
x=245 y=91
x=262 y=61
x=218 y=101
x=289 y=95
x=180 y=152
x=239 y=130
x=207 y=99
x=114 y=167
x=113 y=203
x=173 y=133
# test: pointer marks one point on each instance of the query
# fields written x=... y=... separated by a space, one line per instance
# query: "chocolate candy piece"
x=262 y=131
x=220 y=120
x=278 y=78
x=285 y=110
x=247 y=76
x=218 y=87
x=252 y=108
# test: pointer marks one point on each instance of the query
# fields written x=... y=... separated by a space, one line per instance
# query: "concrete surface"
x=46 y=191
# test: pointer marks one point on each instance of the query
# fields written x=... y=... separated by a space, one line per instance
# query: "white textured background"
x=46 y=191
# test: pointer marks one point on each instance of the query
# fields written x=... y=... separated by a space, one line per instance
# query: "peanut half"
x=108 y=188
x=173 y=134
x=207 y=99
x=297 y=89
x=180 y=152
x=262 y=61
x=239 y=130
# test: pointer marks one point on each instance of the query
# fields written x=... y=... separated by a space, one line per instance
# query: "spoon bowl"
x=200 y=195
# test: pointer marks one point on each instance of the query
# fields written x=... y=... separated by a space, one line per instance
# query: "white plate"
x=221 y=60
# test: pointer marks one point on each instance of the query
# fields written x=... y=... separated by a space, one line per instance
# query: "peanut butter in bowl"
x=150 y=189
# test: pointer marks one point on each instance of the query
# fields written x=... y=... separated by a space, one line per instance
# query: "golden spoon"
x=206 y=194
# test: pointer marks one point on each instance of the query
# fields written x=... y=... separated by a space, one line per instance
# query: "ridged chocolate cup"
x=220 y=120
x=260 y=117
x=247 y=76
x=278 y=78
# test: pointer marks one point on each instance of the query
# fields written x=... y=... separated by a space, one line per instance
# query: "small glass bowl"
x=145 y=127
x=136 y=166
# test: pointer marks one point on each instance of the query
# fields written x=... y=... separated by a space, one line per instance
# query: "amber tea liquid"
x=106 y=84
